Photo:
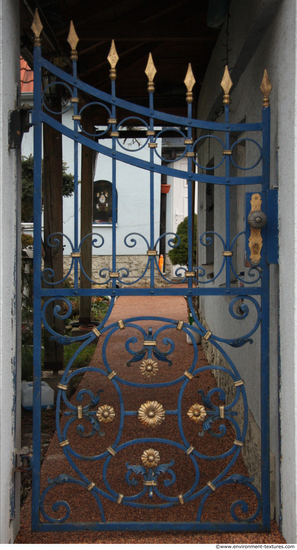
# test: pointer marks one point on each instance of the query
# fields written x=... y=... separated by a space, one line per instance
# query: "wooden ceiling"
x=175 y=32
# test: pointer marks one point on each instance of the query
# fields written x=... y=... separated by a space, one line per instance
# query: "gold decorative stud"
x=211 y=485
x=150 y=458
x=79 y=412
x=207 y=335
x=96 y=332
x=197 y=413
x=64 y=443
x=180 y=325
x=149 y=367
x=151 y=413
x=150 y=72
x=226 y=85
x=112 y=375
x=73 y=41
x=111 y=451
x=105 y=414
x=62 y=386
x=188 y=375
x=265 y=89
x=91 y=486
x=113 y=59
x=189 y=82
x=37 y=28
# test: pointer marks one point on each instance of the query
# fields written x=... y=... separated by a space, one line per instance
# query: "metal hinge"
x=19 y=123
x=23 y=459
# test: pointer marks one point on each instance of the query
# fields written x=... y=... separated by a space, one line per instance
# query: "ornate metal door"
x=148 y=469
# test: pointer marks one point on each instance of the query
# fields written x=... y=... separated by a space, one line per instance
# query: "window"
x=102 y=202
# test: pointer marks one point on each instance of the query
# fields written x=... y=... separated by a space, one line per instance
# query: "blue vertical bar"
x=265 y=447
x=227 y=196
x=152 y=193
x=37 y=194
x=190 y=194
x=76 y=210
x=114 y=185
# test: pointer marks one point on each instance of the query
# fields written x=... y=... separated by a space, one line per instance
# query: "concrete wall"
x=9 y=276
x=263 y=35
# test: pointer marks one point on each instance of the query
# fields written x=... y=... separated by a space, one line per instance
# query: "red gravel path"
x=83 y=507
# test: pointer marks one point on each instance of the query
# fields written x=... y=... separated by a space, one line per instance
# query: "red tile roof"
x=27 y=77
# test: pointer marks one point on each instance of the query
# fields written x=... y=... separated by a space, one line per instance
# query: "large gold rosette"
x=151 y=413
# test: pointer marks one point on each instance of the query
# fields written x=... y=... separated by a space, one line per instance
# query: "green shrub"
x=179 y=255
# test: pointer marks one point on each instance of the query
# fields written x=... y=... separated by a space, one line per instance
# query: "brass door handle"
x=256 y=220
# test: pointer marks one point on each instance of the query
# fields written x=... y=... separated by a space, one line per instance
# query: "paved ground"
x=84 y=507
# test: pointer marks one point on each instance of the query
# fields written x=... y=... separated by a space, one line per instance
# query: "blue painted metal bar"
x=76 y=199
x=153 y=526
x=140 y=163
x=227 y=195
x=190 y=200
x=114 y=183
x=265 y=447
x=144 y=111
x=184 y=291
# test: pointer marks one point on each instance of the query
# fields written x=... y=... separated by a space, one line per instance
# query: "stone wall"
x=135 y=265
x=251 y=450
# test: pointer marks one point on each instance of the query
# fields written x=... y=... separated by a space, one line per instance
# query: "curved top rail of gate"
x=152 y=119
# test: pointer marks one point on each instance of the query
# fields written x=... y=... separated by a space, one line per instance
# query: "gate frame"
x=39 y=117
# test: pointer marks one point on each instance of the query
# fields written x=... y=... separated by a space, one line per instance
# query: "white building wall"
x=133 y=187
x=261 y=37
x=9 y=276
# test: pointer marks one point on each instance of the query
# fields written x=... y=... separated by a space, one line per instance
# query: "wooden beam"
x=53 y=223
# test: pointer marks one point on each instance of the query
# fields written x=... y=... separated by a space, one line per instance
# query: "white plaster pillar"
x=10 y=315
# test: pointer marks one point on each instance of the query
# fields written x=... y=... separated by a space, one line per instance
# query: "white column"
x=10 y=315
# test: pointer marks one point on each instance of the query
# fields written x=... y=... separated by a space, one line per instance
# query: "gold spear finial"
x=265 y=89
x=113 y=59
x=73 y=41
x=226 y=85
x=189 y=82
x=37 y=28
x=150 y=72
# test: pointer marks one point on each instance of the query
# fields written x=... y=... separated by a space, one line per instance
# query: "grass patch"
x=84 y=357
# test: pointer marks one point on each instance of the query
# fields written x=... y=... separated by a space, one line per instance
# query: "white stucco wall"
x=9 y=275
x=261 y=37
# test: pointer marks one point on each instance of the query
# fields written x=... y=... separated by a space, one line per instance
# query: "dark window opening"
x=102 y=202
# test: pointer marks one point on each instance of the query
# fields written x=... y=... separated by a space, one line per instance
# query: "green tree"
x=27 y=186
x=179 y=255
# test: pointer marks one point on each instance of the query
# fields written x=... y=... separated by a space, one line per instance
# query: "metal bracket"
x=18 y=124
x=23 y=460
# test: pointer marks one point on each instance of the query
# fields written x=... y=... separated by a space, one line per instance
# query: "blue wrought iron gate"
x=172 y=471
